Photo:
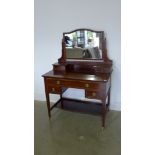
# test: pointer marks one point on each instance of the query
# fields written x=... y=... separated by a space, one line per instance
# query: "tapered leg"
x=104 y=110
x=48 y=104
x=61 y=101
x=108 y=104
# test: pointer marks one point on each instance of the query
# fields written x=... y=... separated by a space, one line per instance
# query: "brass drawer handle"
x=87 y=85
x=58 y=82
x=94 y=94
x=53 y=89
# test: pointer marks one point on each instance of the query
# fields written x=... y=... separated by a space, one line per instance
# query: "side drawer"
x=92 y=94
x=53 y=89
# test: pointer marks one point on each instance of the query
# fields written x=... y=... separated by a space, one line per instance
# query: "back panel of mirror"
x=83 y=44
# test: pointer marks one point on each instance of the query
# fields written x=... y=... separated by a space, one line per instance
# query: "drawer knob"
x=94 y=94
x=58 y=82
x=53 y=89
x=87 y=85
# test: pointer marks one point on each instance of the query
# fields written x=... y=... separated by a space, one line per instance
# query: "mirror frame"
x=104 y=58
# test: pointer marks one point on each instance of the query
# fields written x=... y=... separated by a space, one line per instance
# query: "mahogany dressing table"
x=84 y=64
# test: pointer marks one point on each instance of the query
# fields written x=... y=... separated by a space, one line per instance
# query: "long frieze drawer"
x=53 y=89
x=92 y=94
x=81 y=84
x=74 y=83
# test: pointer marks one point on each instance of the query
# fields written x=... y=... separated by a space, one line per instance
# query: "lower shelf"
x=79 y=106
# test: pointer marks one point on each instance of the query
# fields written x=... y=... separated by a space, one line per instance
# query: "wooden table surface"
x=79 y=76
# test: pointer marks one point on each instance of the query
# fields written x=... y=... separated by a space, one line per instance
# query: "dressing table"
x=84 y=64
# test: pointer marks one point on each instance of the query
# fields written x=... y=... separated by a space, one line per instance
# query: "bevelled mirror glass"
x=83 y=44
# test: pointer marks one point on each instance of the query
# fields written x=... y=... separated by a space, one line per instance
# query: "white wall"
x=53 y=17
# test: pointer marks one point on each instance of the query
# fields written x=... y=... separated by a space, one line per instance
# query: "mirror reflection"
x=83 y=44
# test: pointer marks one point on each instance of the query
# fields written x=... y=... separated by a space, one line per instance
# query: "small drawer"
x=93 y=94
x=97 y=68
x=53 y=81
x=53 y=89
x=88 y=85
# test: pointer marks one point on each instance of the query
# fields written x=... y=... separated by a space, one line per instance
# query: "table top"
x=78 y=76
